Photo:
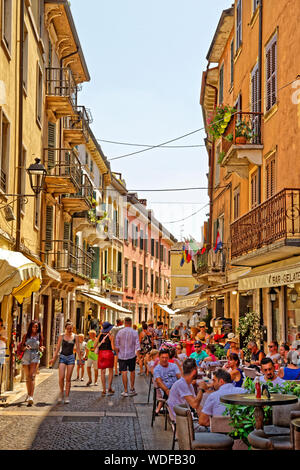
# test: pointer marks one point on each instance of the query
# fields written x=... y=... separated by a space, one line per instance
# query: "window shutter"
x=254 y=190
x=221 y=85
x=51 y=144
x=67 y=235
x=271 y=73
x=49 y=228
x=238 y=24
x=96 y=263
x=270 y=178
x=231 y=62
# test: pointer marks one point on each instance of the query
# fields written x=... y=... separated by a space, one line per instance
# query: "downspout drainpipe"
x=260 y=125
x=20 y=171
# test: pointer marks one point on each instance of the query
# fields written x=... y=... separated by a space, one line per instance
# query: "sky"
x=146 y=60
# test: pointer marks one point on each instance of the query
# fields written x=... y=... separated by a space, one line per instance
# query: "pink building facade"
x=147 y=263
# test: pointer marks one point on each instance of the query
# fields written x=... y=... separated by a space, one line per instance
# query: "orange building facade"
x=254 y=175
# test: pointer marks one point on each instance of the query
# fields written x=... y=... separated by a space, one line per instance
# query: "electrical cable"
x=188 y=217
x=172 y=189
x=147 y=145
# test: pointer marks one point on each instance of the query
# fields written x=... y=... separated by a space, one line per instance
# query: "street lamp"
x=293 y=296
x=272 y=294
x=37 y=174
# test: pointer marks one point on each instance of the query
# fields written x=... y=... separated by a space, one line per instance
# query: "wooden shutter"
x=51 y=144
x=67 y=235
x=236 y=204
x=49 y=228
x=271 y=73
x=141 y=278
x=254 y=189
x=96 y=263
x=152 y=246
x=231 y=62
x=270 y=178
x=238 y=24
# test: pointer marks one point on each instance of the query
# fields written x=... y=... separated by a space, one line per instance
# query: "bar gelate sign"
x=279 y=278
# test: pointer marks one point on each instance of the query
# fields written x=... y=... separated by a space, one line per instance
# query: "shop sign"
x=280 y=278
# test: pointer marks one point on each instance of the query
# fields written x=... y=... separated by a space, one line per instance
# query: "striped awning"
x=19 y=275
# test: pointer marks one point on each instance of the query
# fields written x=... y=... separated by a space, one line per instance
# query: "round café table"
x=249 y=399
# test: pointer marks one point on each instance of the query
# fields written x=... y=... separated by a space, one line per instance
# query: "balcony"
x=269 y=232
x=64 y=171
x=61 y=92
x=76 y=126
x=241 y=151
x=80 y=201
x=210 y=267
x=116 y=279
x=68 y=259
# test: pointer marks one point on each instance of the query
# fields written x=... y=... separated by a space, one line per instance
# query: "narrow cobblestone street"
x=89 y=422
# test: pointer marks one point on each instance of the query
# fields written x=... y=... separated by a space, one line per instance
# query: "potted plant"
x=219 y=123
x=243 y=132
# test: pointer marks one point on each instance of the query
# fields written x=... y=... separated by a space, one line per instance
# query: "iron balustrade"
x=80 y=120
x=252 y=127
x=60 y=82
x=275 y=219
x=211 y=262
x=65 y=255
x=63 y=163
x=116 y=278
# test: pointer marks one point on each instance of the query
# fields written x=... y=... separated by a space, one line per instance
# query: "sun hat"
x=233 y=340
x=230 y=335
x=106 y=327
x=202 y=323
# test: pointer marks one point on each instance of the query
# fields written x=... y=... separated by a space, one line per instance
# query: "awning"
x=167 y=309
x=50 y=273
x=106 y=302
x=277 y=274
x=19 y=276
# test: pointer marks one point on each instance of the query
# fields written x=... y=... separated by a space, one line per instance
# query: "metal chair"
x=172 y=421
x=155 y=403
x=150 y=385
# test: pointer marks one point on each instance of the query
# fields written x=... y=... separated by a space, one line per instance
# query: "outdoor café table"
x=249 y=399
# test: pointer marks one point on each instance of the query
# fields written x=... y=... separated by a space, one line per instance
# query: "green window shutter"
x=51 y=144
x=49 y=228
x=96 y=263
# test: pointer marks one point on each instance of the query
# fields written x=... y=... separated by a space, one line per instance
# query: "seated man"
x=182 y=391
x=165 y=374
x=199 y=355
x=222 y=385
x=268 y=369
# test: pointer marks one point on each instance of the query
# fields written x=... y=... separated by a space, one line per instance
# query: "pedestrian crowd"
x=179 y=362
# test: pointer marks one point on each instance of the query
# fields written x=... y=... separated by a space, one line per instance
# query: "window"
x=152 y=246
x=236 y=203
x=146 y=242
x=255 y=102
x=217 y=165
x=126 y=273
x=141 y=239
x=141 y=278
x=49 y=228
x=39 y=95
x=238 y=106
x=6 y=23
x=221 y=85
x=91 y=166
x=126 y=227
x=86 y=158
x=25 y=58
x=271 y=73
x=152 y=282
x=270 y=177
x=239 y=24
x=133 y=275
x=146 y=280
x=231 y=62
x=161 y=253
x=156 y=284
x=254 y=190
x=4 y=152
x=157 y=249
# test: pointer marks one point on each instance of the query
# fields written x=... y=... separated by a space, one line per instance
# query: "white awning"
x=19 y=275
x=106 y=302
x=167 y=309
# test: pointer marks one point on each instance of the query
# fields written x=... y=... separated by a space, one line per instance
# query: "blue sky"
x=146 y=60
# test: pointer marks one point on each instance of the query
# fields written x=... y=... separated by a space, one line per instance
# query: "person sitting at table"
x=234 y=348
x=210 y=350
x=182 y=391
x=165 y=375
x=174 y=359
x=284 y=349
x=292 y=370
x=256 y=354
x=235 y=372
x=273 y=351
x=268 y=369
x=199 y=355
x=202 y=335
x=181 y=355
x=222 y=384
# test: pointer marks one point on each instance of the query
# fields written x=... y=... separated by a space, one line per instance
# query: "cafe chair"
x=156 y=400
x=295 y=429
x=220 y=424
x=189 y=440
x=281 y=419
x=170 y=418
x=260 y=441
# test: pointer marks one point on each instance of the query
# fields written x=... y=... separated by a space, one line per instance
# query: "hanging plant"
x=219 y=123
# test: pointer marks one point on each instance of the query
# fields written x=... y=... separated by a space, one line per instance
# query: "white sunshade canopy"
x=18 y=275
x=107 y=303
x=168 y=309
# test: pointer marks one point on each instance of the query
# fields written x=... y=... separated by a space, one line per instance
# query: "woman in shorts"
x=92 y=358
x=66 y=344
x=32 y=345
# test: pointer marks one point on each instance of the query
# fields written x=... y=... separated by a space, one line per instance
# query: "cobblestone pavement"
x=89 y=422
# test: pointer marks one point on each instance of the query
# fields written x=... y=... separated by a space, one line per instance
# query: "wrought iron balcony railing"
x=78 y=122
x=116 y=278
x=64 y=255
x=60 y=83
x=63 y=163
x=277 y=218
x=243 y=128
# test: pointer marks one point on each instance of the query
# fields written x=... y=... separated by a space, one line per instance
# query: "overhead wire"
x=188 y=217
x=147 y=145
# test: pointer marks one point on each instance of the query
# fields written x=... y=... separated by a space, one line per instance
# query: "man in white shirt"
x=127 y=347
x=182 y=391
x=222 y=385
x=268 y=369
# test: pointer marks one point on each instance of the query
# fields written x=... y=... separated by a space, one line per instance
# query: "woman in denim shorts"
x=32 y=344
x=66 y=344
